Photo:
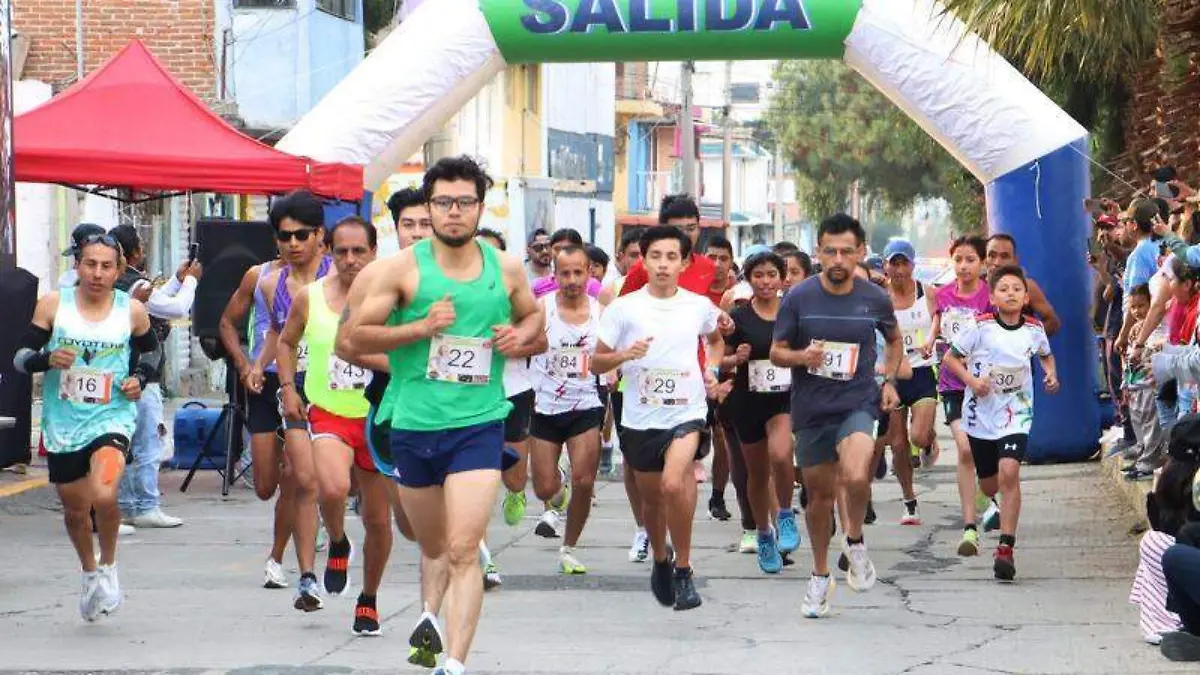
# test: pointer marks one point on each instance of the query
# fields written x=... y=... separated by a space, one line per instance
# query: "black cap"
x=81 y=232
x=1184 y=445
x=127 y=237
x=1165 y=174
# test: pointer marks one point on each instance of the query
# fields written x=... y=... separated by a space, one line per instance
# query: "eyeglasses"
x=299 y=235
x=539 y=247
x=444 y=204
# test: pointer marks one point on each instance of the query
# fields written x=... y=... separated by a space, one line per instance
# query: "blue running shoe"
x=789 y=534
x=769 y=560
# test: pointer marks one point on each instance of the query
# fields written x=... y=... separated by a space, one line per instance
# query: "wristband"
x=284 y=385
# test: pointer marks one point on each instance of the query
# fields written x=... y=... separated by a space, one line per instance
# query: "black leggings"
x=739 y=476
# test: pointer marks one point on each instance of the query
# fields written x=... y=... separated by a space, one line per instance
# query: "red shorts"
x=352 y=432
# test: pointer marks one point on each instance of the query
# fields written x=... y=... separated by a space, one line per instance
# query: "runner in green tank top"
x=336 y=390
x=465 y=308
x=83 y=339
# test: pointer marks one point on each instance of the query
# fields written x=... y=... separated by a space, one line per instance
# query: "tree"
x=836 y=128
x=377 y=15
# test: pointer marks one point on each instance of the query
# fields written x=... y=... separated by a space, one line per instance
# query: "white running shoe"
x=108 y=596
x=90 y=596
x=816 y=599
x=548 y=526
x=991 y=517
x=155 y=518
x=861 y=575
x=273 y=576
x=125 y=530
x=640 y=550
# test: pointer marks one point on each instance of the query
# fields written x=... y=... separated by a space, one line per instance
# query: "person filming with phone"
x=139 y=496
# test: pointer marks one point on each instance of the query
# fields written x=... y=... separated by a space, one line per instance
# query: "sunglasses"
x=540 y=247
x=299 y=235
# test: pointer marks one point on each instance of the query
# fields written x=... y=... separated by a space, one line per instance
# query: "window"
x=268 y=4
x=347 y=9
x=533 y=91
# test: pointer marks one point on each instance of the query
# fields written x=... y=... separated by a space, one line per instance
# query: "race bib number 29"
x=662 y=387
x=85 y=386
x=460 y=360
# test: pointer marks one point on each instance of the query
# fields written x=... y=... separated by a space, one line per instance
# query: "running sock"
x=340 y=549
x=366 y=600
x=851 y=541
x=970 y=526
x=682 y=572
x=454 y=667
x=1008 y=540
x=308 y=575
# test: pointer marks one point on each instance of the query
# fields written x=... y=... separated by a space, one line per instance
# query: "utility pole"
x=687 y=132
x=727 y=151
x=778 y=220
x=78 y=39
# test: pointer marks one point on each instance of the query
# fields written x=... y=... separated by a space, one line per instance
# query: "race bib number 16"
x=460 y=360
x=86 y=386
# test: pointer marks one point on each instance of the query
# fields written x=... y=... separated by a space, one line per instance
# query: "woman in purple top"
x=957 y=304
x=547 y=285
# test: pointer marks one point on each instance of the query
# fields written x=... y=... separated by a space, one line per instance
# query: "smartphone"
x=1094 y=206
x=193 y=251
x=1094 y=247
x=1163 y=190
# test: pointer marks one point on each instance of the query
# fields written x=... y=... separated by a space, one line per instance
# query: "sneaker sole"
x=423 y=659
x=684 y=608
x=425 y=637
x=308 y=603
x=545 y=531
x=489 y=584
x=967 y=549
x=1005 y=573
x=910 y=521
x=377 y=632
x=273 y=585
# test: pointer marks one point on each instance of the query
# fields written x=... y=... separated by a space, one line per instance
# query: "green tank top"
x=331 y=383
x=457 y=379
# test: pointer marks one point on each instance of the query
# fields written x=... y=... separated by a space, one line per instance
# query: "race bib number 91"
x=85 y=386
x=460 y=360
x=661 y=387
x=345 y=376
x=767 y=378
x=839 y=362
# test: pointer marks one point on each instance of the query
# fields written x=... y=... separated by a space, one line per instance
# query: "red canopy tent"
x=130 y=125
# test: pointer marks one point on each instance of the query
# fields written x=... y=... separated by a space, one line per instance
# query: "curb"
x=1132 y=492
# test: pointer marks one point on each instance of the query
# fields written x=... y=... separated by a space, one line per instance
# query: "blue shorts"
x=425 y=458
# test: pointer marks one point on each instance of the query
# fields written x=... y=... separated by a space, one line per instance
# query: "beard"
x=837 y=275
x=455 y=242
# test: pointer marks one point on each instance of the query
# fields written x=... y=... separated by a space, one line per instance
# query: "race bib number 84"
x=460 y=360
x=86 y=387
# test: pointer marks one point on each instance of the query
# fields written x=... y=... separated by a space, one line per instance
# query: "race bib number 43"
x=767 y=378
x=460 y=360
x=344 y=376
x=85 y=386
x=662 y=387
x=839 y=362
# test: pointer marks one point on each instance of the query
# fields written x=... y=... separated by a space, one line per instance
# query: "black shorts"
x=646 y=449
x=602 y=394
x=558 y=428
x=751 y=412
x=988 y=453
x=516 y=425
x=262 y=410
x=884 y=424
x=617 y=398
x=68 y=467
x=922 y=387
x=952 y=402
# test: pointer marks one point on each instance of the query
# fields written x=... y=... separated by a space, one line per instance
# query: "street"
x=193 y=601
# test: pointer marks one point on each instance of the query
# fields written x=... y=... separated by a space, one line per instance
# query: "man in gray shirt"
x=825 y=333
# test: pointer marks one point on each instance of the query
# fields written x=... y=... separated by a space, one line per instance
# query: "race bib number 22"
x=460 y=360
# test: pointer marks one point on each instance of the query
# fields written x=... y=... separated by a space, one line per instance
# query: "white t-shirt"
x=666 y=388
x=563 y=380
x=1003 y=354
x=517 y=378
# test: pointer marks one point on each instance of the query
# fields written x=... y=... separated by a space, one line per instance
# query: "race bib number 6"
x=85 y=386
x=767 y=378
x=661 y=387
x=839 y=362
x=345 y=376
x=460 y=360
x=956 y=321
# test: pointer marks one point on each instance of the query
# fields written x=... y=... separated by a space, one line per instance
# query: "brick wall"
x=178 y=32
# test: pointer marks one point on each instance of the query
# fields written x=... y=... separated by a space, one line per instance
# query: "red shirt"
x=697 y=277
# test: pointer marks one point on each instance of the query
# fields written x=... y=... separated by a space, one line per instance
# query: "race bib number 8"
x=460 y=360
x=767 y=378
x=1007 y=380
x=344 y=376
x=86 y=387
x=661 y=387
x=569 y=363
x=839 y=362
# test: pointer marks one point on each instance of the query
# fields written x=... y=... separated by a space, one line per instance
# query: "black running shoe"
x=337 y=568
x=366 y=619
x=871 y=517
x=717 y=510
x=1181 y=646
x=662 y=580
x=686 y=596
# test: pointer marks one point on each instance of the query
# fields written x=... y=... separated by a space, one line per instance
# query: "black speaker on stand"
x=18 y=297
x=227 y=249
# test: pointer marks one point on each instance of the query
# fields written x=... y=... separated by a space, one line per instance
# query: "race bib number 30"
x=839 y=362
x=344 y=376
x=569 y=363
x=1008 y=380
x=767 y=378
x=85 y=386
x=661 y=387
x=460 y=360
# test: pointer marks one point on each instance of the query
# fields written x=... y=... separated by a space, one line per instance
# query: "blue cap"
x=757 y=249
x=900 y=247
x=875 y=262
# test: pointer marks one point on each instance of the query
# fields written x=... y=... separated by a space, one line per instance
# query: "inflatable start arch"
x=1031 y=156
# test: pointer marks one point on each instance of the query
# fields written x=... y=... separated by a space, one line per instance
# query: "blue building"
x=277 y=58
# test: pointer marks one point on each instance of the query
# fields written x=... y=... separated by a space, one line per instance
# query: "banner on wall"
x=540 y=31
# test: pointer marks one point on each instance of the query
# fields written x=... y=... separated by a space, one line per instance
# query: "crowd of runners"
x=423 y=382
